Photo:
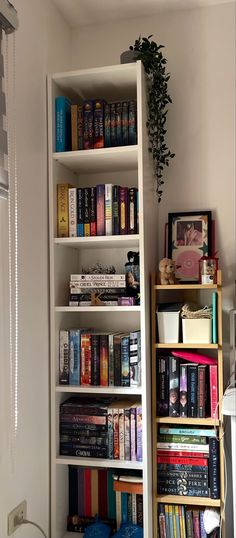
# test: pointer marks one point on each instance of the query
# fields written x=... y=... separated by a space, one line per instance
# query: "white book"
x=118 y=509
x=72 y=212
x=97 y=276
x=108 y=209
x=183 y=447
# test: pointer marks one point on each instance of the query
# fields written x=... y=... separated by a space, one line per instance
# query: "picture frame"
x=189 y=238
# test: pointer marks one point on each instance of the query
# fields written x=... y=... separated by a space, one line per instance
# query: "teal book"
x=63 y=124
x=111 y=496
x=124 y=507
x=214 y=318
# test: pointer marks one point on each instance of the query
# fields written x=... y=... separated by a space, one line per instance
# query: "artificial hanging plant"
x=158 y=100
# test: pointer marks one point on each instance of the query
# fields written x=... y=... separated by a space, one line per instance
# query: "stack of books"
x=102 y=210
x=186 y=389
x=129 y=499
x=102 y=429
x=92 y=358
x=106 y=289
x=188 y=462
x=180 y=520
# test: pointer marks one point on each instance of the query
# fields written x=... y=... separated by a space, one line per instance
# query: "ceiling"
x=85 y=12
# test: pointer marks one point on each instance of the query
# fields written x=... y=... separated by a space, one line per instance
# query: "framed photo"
x=189 y=238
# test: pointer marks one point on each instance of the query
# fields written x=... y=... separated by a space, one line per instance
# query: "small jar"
x=208 y=270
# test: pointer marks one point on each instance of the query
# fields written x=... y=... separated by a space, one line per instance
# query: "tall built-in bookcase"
x=186 y=293
x=129 y=165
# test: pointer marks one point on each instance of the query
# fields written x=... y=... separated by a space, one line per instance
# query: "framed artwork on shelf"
x=189 y=238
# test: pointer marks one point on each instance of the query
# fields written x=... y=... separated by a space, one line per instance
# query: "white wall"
x=43 y=44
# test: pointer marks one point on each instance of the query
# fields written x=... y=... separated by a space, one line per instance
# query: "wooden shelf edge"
x=180 y=420
x=180 y=499
x=180 y=345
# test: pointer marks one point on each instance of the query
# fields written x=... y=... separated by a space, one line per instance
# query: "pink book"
x=214 y=390
x=194 y=357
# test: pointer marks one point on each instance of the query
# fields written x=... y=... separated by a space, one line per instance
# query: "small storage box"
x=168 y=326
x=197 y=331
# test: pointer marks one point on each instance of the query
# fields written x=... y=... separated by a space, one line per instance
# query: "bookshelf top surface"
x=99 y=241
x=99 y=462
x=128 y=309
x=179 y=499
x=100 y=160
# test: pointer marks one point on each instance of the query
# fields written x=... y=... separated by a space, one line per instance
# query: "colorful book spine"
x=196 y=524
x=64 y=357
x=80 y=212
x=162 y=520
x=115 y=210
x=132 y=211
x=132 y=122
x=87 y=212
x=104 y=360
x=113 y=124
x=188 y=431
x=111 y=496
x=173 y=387
x=183 y=391
x=213 y=372
x=177 y=521
x=107 y=125
x=116 y=433
x=192 y=390
x=139 y=499
x=163 y=386
x=74 y=127
x=139 y=426
x=133 y=434
x=80 y=128
x=123 y=210
x=62 y=210
x=214 y=468
x=194 y=462
x=121 y=434
x=124 y=508
x=86 y=359
x=100 y=209
x=110 y=433
x=118 y=109
x=72 y=196
x=93 y=211
x=189 y=523
x=74 y=373
x=183 y=490
x=95 y=360
x=108 y=209
x=117 y=360
x=87 y=493
x=134 y=358
x=88 y=124
x=102 y=493
x=63 y=124
x=111 y=374
x=171 y=517
x=201 y=391
x=125 y=366
x=99 y=140
x=125 y=123
x=127 y=433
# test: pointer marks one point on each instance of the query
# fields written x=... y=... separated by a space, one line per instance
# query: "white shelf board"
x=98 y=309
x=99 y=462
x=100 y=160
x=112 y=241
x=127 y=391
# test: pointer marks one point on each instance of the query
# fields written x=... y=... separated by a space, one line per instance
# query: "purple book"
x=139 y=425
x=183 y=391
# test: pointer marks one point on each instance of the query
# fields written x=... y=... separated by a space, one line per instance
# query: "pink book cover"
x=133 y=437
x=214 y=390
x=139 y=422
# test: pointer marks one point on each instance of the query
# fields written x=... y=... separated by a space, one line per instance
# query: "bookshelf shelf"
x=124 y=166
x=189 y=291
x=114 y=241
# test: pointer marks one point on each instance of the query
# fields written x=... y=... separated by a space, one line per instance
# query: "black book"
x=192 y=390
x=93 y=211
x=115 y=210
x=183 y=490
x=95 y=360
x=186 y=482
x=214 y=468
x=132 y=211
x=87 y=196
x=107 y=125
x=162 y=386
x=117 y=360
x=173 y=387
x=73 y=490
x=67 y=449
x=113 y=124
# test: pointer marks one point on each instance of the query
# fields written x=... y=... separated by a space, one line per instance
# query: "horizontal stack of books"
x=186 y=389
x=106 y=289
x=129 y=499
x=102 y=429
x=102 y=210
x=94 y=124
x=182 y=521
x=90 y=358
x=188 y=462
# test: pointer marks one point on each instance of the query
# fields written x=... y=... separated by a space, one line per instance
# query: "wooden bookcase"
x=131 y=166
x=186 y=292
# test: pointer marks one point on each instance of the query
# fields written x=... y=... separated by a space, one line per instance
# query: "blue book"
x=188 y=431
x=80 y=212
x=124 y=507
x=214 y=318
x=74 y=372
x=167 y=521
x=63 y=124
x=177 y=520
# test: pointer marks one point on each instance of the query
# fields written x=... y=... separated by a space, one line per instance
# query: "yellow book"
x=62 y=210
x=174 y=522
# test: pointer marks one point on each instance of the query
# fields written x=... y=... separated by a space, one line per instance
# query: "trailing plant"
x=158 y=100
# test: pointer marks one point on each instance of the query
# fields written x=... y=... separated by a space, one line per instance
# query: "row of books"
x=110 y=429
x=179 y=521
x=186 y=389
x=94 y=124
x=188 y=462
x=102 y=210
x=103 y=289
x=99 y=359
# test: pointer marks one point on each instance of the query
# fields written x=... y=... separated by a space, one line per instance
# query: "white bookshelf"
x=131 y=166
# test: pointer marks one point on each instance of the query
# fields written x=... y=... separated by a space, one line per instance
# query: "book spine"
x=116 y=434
x=74 y=373
x=68 y=427
x=181 y=453
x=80 y=212
x=162 y=521
x=129 y=502
x=132 y=122
x=214 y=468
x=132 y=211
x=133 y=434
x=123 y=210
x=169 y=438
x=64 y=357
x=87 y=493
x=73 y=491
x=189 y=523
x=171 y=516
x=202 y=526
x=99 y=124
x=183 y=447
x=111 y=373
x=121 y=434
x=188 y=475
x=213 y=368
x=74 y=127
x=62 y=210
x=113 y=124
x=104 y=360
x=183 y=461
x=118 y=112
x=127 y=434
x=110 y=434
x=98 y=277
x=125 y=366
x=95 y=360
x=139 y=426
x=134 y=509
x=163 y=386
x=115 y=210
x=107 y=125
x=192 y=390
x=88 y=124
x=201 y=390
x=84 y=421
x=183 y=491
x=177 y=521
x=63 y=124
x=72 y=192
x=111 y=496
x=118 y=509
x=80 y=128
x=139 y=499
x=188 y=431
x=182 y=468
x=108 y=209
x=124 y=508
x=100 y=209
x=83 y=452
x=173 y=387
x=85 y=359
x=117 y=361
x=196 y=524
x=93 y=211
x=125 y=123
x=102 y=493
x=183 y=391
x=133 y=358
x=165 y=481
x=87 y=212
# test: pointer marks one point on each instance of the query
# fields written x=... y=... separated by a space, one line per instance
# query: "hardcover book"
x=115 y=210
x=173 y=387
x=64 y=357
x=132 y=211
x=72 y=196
x=107 y=125
x=118 y=124
x=132 y=122
x=192 y=390
x=74 y=127
x=213 y=369
x=113 y=124
x=162 y=386
x=88 y=124
x=63 y=124
x=125 y=123
x=214 y=468
x=80 y=212
x=87 y=197
x=100 y=209
x=99 y=140
x=93 y=211
x=74 y=373
x=108 y=209
x=183 y=391
x=123 y=210
x=62 y=210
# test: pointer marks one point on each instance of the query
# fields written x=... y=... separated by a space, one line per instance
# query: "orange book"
x=128 y=487
x=63 y=210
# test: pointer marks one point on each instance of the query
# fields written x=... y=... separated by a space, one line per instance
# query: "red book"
x=86 y=369
x=102 y=493
x=104 y=357
x=177 y=453
x=214 y=390
x=182 y=461
x=87 y=493
x=196 y=524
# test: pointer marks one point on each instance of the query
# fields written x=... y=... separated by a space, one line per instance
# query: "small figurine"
x=167 y=271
